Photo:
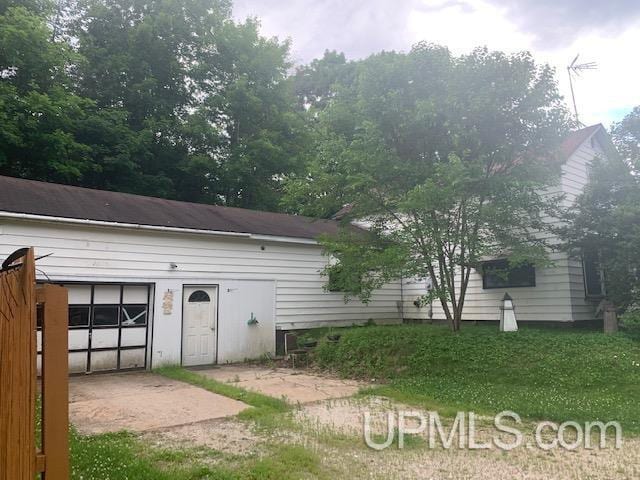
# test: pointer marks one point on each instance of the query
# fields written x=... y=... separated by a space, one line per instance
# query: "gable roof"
x=63 y=201
x=576 y=138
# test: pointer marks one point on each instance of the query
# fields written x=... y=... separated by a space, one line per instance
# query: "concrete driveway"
x=141 y=402
x=292 y=385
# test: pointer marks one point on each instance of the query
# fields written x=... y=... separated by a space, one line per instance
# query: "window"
x=199 y=296
x=79 y=315
x=592 y=275
x=134 y=315
x=105 y=315
x=498 y=274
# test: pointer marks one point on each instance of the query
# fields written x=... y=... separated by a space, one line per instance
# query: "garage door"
x=108 y=326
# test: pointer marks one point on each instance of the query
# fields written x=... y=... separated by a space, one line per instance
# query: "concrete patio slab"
x=141 y=402
x=294 y=386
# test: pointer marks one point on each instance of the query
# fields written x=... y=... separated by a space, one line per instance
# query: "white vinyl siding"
x=101 y=254
x=575 y=177
x=559 y=294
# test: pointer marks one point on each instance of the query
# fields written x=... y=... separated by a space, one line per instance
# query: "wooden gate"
x=19 y=297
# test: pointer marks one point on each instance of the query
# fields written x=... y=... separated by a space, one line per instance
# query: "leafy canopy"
x=605 y=221
x=446 y=160
x=167 y=98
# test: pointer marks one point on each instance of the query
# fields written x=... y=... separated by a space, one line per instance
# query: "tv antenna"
x=575 y=69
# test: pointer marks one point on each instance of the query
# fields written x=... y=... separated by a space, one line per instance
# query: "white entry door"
x=199 y=325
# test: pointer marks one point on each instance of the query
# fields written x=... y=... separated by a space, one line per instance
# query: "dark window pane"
x=498 y=274
x=78 y=316
x=199 y=296
x=39 y=315
x=134 y=315
x=592 y=278
x=105 y=315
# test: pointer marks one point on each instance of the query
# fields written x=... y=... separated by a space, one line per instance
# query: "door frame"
x=203 y=285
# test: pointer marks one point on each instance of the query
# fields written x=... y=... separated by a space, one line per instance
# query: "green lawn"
x=554 y=374
x=540 y=374
x=121 y=456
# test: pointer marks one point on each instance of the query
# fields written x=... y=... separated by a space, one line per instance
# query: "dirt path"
x=327 y=419
x=295 y=386
x=418 y=461
x=140 y=402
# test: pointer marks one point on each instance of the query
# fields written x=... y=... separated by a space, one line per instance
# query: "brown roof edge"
x=64 y=201
x=576 y=138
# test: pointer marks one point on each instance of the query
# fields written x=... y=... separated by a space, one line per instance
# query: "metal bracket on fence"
x=10 y=262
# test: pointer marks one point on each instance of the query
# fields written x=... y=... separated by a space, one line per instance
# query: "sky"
x=555 y=31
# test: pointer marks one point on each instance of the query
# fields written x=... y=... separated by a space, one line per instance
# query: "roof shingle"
x=54 y=200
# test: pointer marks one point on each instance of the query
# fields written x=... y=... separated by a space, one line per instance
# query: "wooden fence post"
x=55 y=382
x=18 y=370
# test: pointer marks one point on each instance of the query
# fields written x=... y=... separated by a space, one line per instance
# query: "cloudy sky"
x=606 y=32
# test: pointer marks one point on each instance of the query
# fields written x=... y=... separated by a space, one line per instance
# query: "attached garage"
x=158 y=282
x=108 y=326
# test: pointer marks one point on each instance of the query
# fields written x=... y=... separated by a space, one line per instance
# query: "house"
x=154 y=281
x=568 y=292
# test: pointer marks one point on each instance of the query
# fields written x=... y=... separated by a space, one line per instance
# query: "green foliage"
x=118 y=456
x=168 y=98
x=443 y=157
x=606 y=222
x=365 y=262
x=30 y=60
x=626 y=136
x=315 y=83
x=631 y=318
x=289 y=464
x=540 y=374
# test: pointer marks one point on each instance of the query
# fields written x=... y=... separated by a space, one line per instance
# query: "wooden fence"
x=19 y=296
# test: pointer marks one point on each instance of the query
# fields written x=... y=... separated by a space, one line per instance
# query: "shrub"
x=631 y=319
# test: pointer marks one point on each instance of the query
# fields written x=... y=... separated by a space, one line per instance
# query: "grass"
x=549 y=374
x=265 y=408
x=121 y=456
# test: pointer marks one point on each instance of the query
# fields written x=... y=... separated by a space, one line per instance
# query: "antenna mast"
x=575 y=68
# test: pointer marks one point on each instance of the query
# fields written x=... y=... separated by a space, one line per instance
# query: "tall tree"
x=144 y=58
x=626 y=136
x=48 y=132
x=605 y=221
x=315 y=83
x=168 y=98
x=208 y=98
x=264 y=135
x=446 y=159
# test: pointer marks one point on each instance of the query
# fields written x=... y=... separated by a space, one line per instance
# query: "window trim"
x=193 y=298
x=503 y=261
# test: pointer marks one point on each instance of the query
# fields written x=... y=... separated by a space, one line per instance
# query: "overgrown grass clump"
x=553 y=374
x=121 y=456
